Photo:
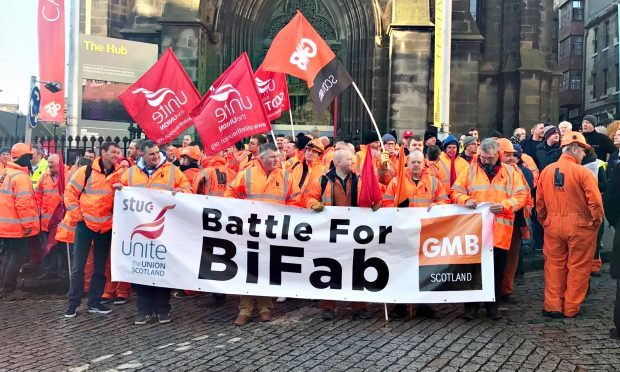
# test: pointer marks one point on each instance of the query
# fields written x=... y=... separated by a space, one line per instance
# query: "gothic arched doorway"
x=349 y=27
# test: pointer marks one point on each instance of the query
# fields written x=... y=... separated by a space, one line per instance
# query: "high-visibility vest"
x=460 y=165
x=92 y=200
x=166 y=177
x=322 y=190
x=191 y=174
x=47 y=197
x=18 y=209
x=214 y=179
x=315 y=170
x=506 y=188
x=428 y=191
x=254 y=184
x=42 y=167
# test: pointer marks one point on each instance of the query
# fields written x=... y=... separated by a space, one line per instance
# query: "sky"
x=18 y=50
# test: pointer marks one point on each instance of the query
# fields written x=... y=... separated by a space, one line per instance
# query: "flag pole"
x=290 y=114
x=370 y=114
x=276 y=144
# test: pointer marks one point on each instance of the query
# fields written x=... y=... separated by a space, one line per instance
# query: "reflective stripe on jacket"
x=94 y=203
x=428 y=191
x=506 y=188
x=214 y=179
x=255 y=184
x=18 y=209
x=166 y=177
x=47 y=197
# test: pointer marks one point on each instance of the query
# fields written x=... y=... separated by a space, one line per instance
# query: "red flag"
x=273 y=92
x=231 y=110
x=298 y=50
x=370 y=193
x=51 y=30
x=400 y=195
x=161 y=100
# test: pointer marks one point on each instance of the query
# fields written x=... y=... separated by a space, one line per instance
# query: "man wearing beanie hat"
x=602 y=145
x=430 y=138
x=388 y=165
x=20 y=217
x=470 y=149
x=549 y=150
x=450 y=164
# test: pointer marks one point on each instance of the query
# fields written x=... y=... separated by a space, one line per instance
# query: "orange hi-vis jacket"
x=254 y=184
x=530 y=164
x=214 y=179
x=65 y=232
x=578 y=203
x=506 y=188
x=47 y=196
x=385 y=173
x=94 y=203
x=290 y=163
x=315 y=170
x=322 y=189
x=429 y=191
x=246 y=162
x=443 y=164
x=18 y=209
x=166 y=176
x=191 y=174
x=327 y=157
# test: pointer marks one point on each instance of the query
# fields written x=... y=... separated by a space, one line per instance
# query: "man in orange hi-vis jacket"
x=19 y=217
x=154 y=171
x=570 y=208
x=89 y=198
x=488 y=180
x=264 y=181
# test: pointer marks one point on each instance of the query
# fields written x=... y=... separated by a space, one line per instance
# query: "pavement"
x=36 y=337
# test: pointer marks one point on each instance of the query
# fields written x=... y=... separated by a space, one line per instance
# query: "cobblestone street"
x=36 y=337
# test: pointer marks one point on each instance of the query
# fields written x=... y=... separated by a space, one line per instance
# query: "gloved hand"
x=376 y=207
x=385 y=157
x=318 y=207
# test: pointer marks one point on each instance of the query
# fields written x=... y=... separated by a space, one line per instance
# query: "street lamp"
x=52 y=86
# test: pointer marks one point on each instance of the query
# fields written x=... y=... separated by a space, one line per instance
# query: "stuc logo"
x=153 y=230
x=304 y=51
x=265 y=86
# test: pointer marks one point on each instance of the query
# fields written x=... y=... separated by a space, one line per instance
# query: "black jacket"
x=612 y=165
x=546 y=154
x=611 y=203
x=601 y=144
x=529 y=146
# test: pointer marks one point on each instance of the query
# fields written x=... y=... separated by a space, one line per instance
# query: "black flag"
x=330 y=81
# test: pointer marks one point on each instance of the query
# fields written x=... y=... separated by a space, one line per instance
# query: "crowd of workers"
x=550 y=182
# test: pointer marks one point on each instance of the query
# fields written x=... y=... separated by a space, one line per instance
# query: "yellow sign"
x=441 y=86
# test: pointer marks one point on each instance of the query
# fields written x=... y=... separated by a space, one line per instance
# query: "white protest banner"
x=212 y=244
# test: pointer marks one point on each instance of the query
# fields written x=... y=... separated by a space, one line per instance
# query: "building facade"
x=503 y=71
x=601 y=94
x=570 y=52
